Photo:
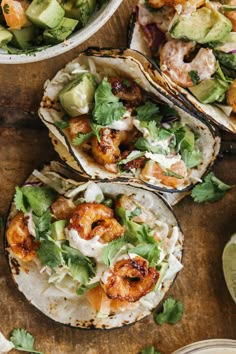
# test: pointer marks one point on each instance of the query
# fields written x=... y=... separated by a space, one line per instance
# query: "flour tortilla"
x=212 y=112
x=71 y=309
x=130 y=64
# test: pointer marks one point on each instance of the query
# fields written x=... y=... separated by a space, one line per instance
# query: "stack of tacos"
x=193 y=43
x=102 y=252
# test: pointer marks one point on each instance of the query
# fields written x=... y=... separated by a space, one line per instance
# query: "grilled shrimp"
x=20 y=240
x=172 y=62
x=79 y=125
x=107 y=230
x=127 y=90
x=107 y=151
x=153 y=170
x=231 y=95
x=129 y=279
x=231 y=15
x=62 y=208
x=91 y=219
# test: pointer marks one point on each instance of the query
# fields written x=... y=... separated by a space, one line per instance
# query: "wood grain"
x=209 y=311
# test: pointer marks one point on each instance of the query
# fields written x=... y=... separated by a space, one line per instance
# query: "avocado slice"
x=5 y=36
x=209 y=91
x=227 y=60
x=45 y=13
x=57 y=229
x=23 y=38
x=203 y=26
x=78 y=95
x=59 y=33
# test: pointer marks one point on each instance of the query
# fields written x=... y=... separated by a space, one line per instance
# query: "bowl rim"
x=85 y=33
x=207 y=344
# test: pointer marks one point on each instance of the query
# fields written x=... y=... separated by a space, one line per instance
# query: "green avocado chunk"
x=23 y=38
x=78 y=95
x=203 y=26
x=5 y=36
x=80 y=10
x=45 y=13
x=209 y=91
x=226 y=59
x=59 y=33
x=57 y=229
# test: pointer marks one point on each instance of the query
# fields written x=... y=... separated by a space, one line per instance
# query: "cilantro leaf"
x=195 y=78
x=211 y=190
x=147 y=111
x=20 y=201
x=23 y=340
x=50 y=254
x=81 y=138
x=191 y=158
x=149 y=350
x=42 y=224
x=39 y=198
x=107 y=107
x=135 y=233
x=61 y=124
x=112 y=248
x=172 y=312
x=82 y=268
x=149 y=251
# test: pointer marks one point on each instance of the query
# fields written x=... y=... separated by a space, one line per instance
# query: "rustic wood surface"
x=209 y=311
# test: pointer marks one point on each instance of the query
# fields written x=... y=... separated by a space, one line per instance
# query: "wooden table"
x=209 y=311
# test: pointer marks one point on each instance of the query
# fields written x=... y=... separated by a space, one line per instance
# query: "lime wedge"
x=229 y=266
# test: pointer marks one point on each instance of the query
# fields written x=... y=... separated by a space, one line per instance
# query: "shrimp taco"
x=91 y=254
x=193 y=42
x=108 y=119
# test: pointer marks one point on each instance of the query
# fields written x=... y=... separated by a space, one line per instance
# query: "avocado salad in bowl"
x=91 y=254
x=193 y=44
x=40 y=29
x=109 y=120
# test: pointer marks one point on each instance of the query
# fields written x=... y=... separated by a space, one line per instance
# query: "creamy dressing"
x=124 y=124
x=164 y=161
x=89 y=248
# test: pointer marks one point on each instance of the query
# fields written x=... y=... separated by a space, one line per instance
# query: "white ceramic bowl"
x=97 y=20
x=209 y=346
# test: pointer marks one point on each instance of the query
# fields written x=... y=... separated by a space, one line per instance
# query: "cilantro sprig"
x=108 y=107
x=172 y=312
x=210 y=190
x=23 y=341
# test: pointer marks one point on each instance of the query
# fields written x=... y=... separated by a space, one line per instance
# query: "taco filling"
x=194 y=44
x=99 y=249
x=110 y=122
